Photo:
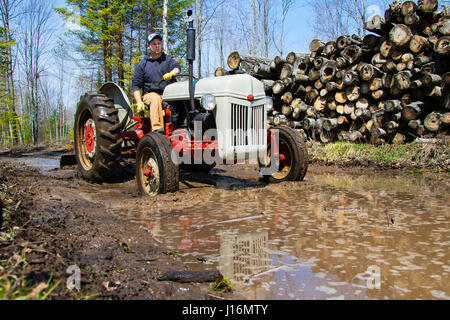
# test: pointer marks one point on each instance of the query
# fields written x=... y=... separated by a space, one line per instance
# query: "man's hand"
x=140 y=107
x=168 y=76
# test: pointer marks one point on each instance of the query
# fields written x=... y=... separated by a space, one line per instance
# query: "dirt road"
x=58 y=230
x=318 y=239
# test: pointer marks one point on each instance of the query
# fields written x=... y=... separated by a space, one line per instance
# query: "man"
x=148 y=74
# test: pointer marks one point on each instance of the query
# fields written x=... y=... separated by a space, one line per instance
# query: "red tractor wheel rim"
x=89 y=138
x=150 y=173
x=285 y=161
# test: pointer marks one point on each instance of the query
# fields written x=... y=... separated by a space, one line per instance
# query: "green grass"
x=405 y=155
x=222 y=284
x=14 y=288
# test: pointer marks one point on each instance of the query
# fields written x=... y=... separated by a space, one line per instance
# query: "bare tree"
x=330 y=18
x=206 y=21
x=8 y=13
x=200 y=28
x=266 y=6
x=360 y=10
x=60 y=54
x=219 y=34
x=165 y=31
x=35 y=37
x=333 y=18
x=256 y=27
x=285 y=6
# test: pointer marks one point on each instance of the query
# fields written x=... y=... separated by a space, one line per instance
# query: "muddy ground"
x=50 y=225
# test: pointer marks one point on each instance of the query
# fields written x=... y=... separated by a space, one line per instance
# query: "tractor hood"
x=238 y=86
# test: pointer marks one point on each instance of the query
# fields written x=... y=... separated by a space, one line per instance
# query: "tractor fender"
x=121 y=101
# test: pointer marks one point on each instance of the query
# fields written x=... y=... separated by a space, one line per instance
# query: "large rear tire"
x=293 y=161
x=97 y=137
x=156 y=173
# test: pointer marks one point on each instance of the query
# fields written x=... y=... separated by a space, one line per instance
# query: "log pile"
x=392 y=85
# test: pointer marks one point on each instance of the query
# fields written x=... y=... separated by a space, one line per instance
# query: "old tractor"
x=206 y=121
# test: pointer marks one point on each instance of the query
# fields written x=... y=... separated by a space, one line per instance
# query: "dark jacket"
x=149 y=72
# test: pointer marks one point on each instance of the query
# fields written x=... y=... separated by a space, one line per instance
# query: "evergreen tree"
x=113 y=32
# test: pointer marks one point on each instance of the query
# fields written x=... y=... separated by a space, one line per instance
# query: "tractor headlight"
x=208 y=102
x=269 y=103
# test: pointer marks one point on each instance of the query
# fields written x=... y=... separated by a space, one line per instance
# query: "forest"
x=51 y=52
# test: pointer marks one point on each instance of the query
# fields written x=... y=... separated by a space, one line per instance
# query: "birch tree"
x=35 y=36
x=200 y=28
x=165 y=30
x=285 y=6
x=8 y=13
x=266 y=7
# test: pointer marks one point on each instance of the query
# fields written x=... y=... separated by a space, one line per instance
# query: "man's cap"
x=153 y=36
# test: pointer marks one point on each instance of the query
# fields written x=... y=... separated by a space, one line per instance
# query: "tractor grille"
x=247 y=124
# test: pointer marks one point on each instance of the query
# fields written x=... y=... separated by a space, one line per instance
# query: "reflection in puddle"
x=318 y=239
x=43 y=164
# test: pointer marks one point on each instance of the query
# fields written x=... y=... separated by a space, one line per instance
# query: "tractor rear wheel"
x=156 y=173
x=97 y=137
x=293 y=159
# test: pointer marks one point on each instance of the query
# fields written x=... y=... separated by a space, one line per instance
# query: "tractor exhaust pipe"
x=190 y=54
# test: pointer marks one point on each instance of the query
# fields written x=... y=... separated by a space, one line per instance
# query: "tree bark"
x=235 y=58
x=377 y=25
x=327 y=72
x=431 y=80
x=400 y=35
x=278 y=87
x=352 y=93
x=350 y=78
x=368 y=71
x=190 y=276
x=316 y=45
x=442 y=46
x=412 y=111
x=286 y=71
x=433 y=122
x=340 y=97
x=320 y=103
x=428 y=6
x=352 y=53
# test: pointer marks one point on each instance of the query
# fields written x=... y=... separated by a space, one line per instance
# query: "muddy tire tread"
x=174 y=172
x=108 y=138
x=300 y=153
x=169 y=173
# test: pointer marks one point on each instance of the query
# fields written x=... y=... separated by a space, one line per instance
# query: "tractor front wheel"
x=292 y=163
x=156 y=173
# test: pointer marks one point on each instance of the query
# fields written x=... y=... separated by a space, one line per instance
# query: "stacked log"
x=392 y=85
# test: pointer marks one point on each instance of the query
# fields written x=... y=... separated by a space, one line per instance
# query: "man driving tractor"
x=148 y=74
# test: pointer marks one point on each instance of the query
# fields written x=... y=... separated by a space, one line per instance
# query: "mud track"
x=56 y=227
x=295 y=240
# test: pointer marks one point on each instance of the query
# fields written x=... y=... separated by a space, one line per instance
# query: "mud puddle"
x=340 y=234
x=44 y=161
x=337 y=235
